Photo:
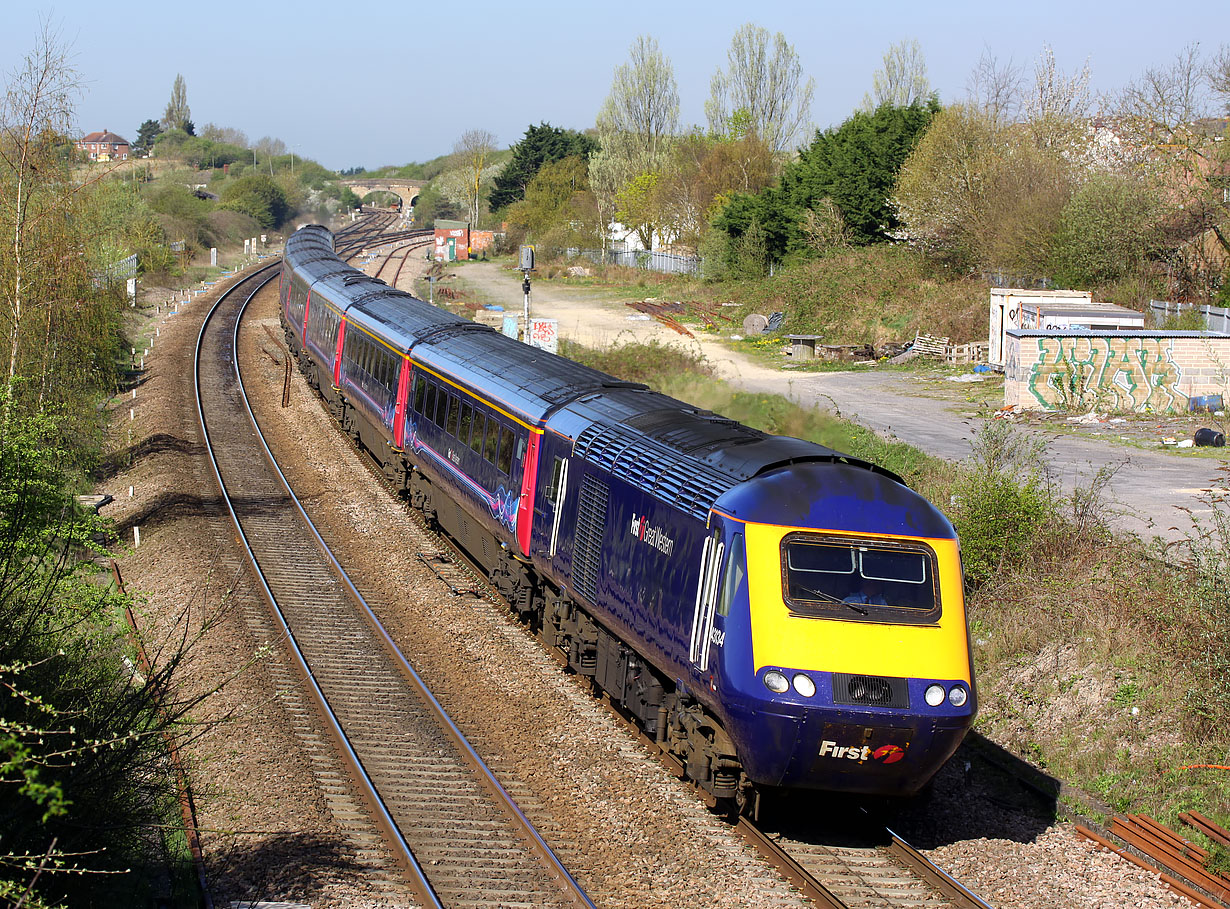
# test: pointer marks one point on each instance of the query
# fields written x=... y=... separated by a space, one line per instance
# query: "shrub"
x=259 y=196
x=1005 y=501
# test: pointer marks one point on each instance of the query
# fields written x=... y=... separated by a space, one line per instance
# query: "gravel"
x=631 y=833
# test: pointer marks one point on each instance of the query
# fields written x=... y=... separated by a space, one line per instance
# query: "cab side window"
x=735 y=572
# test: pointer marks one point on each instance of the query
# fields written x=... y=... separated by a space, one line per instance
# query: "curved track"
x=450 y=823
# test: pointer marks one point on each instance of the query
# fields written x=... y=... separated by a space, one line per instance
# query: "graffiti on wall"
x=1127 y=374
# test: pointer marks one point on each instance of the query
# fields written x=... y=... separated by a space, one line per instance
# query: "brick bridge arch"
x=406 y=190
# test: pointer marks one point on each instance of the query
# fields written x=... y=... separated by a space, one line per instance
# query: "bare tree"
x=1219 y=76
x=1164 y=102
x=641 y=113
x=994 y=89
x=227 y=134
x=1163 y=110
x=36 y=115
x=177 y=114
x=269 y=147
x=761 y=91
x=903 y=80
x=1057 y=104
x=471 y=153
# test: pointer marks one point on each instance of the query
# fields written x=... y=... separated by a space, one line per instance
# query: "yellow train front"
x=841 y=658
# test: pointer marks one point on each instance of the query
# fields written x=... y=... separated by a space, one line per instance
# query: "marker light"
x=934 y=695
x=776 y=682
x=957 y=696
x=804 y=685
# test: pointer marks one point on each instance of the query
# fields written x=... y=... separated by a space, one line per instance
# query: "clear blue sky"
x=388 y=83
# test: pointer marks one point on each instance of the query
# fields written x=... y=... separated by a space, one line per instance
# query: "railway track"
x=449 y=823
x=873 y=869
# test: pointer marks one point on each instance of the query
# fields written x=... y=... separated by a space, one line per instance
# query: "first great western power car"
x=774 y=613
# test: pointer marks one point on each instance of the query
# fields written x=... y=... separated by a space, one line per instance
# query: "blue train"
x=772 y=612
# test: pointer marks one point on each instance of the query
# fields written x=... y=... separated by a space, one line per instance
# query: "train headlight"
x=957 y=696
x=934 y=695
x=776 y=682
x=804 y=685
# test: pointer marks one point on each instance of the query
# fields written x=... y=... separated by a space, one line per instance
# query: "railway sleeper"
x=680 y=725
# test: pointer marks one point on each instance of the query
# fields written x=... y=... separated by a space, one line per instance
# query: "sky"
x=382 y=83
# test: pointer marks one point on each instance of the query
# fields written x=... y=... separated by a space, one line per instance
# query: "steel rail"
x=406 y=854
x=569 y=887
x=506 y=801
x=933 y=874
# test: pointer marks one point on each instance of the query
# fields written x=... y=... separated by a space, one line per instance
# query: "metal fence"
x=666 y=263
x=1216 y=319
x=117 y=271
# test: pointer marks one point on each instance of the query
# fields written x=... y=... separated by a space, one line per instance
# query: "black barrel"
x=1210 y=437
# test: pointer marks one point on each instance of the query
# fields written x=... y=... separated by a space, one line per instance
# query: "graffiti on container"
x=1127 y=374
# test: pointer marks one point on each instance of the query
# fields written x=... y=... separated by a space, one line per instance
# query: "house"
x=104 y=146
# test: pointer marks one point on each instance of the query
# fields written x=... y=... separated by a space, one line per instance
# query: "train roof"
x=687 y=457
x=530 y=381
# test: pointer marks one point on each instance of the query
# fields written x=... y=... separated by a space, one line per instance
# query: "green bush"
x=259 y=196
x=1005 y=501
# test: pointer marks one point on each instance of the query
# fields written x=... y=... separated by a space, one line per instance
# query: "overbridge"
x=406 y=190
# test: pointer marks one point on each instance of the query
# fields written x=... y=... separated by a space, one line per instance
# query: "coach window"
x=476 y=435
x=506 y=450
x=420 y=392
x=429 y=407
x=493 y=440
x=467 y=418
x=441 y=407
x=453 y=408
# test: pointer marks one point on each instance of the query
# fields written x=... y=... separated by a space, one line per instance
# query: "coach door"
x=706 y=598
x=554 y=497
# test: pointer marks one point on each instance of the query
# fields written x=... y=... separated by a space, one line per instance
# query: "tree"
x=257 y=195
x=978 y=196
x=903 y=80
x=995 y=89
x=641 y=113
x=1107 y=231
x=640 y=208
x=636 y=124
x=854 y=165
x=541 y=145
x=269 y=147
x=147 y=132
x=761 y=91
x=471 y=153
x=178 y=115
x=702 y=174
x=1168 y=111
x=36 y=194
x=558 y=209
x=1057 y=105
x=940 y=192
x=225 y=134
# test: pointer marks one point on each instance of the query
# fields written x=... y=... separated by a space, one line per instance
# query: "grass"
x=1101 y=658
x=866 y=295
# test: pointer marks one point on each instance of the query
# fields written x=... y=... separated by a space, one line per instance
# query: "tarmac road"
x=1146 y=495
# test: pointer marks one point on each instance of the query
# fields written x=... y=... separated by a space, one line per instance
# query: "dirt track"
x=1148 y=491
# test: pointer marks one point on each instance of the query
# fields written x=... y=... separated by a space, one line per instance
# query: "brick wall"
x=1140 y=371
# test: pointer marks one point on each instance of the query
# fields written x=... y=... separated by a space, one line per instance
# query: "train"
x=774 y=614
